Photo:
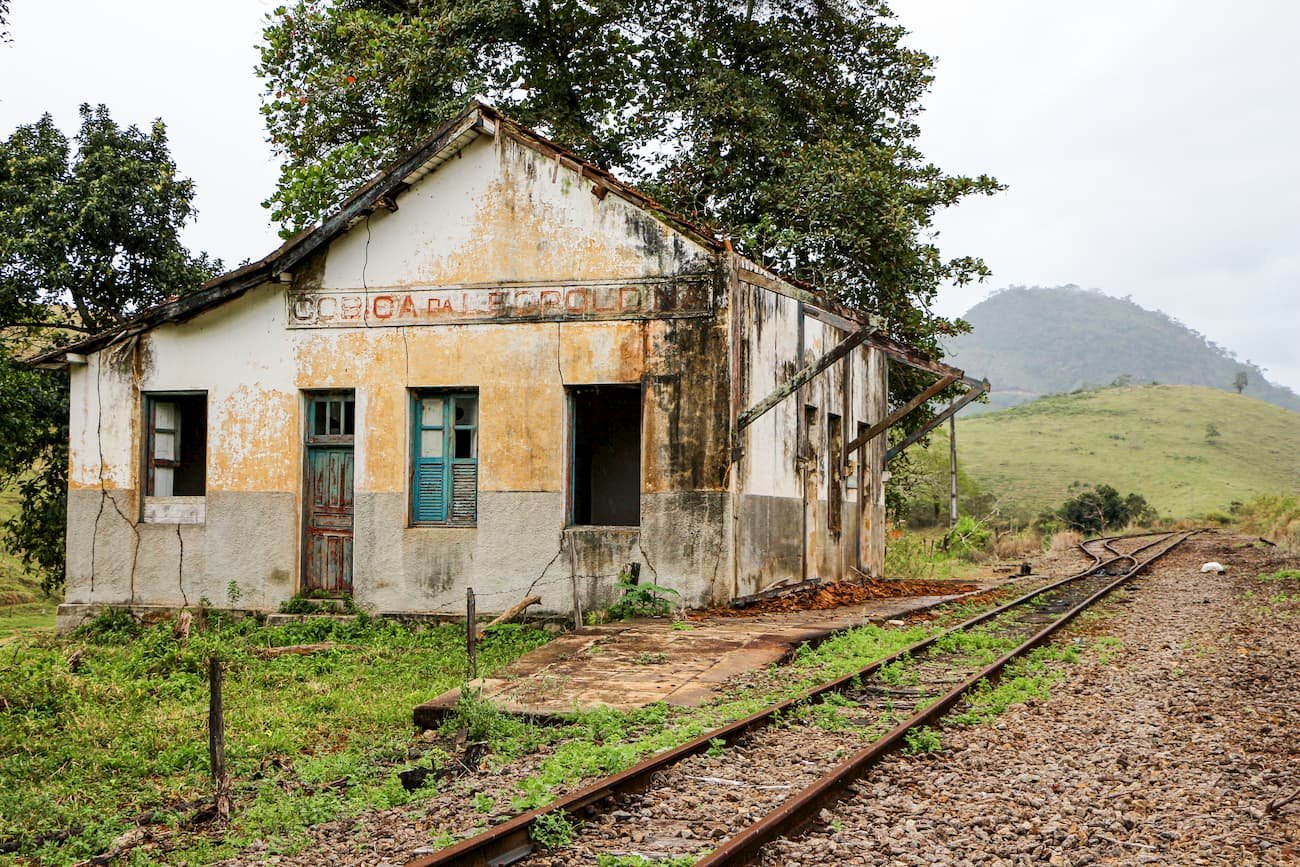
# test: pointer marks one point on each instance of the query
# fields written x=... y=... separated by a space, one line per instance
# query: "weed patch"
x=922 y=739
x=1022 y=680
x=553 y=830
x=642 y=861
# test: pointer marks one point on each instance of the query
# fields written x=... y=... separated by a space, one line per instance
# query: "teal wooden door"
x=327 y=543
x=329 y=519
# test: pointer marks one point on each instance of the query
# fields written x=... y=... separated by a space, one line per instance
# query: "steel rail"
x=510 y=841
x=799 y=810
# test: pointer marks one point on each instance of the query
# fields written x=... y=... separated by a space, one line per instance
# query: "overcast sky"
x=1150 y=146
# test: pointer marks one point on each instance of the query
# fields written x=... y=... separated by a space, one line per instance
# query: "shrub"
x=1093 y=510
x=967 y=537
x=641 y=600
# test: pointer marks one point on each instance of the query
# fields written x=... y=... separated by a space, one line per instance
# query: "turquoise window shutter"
x=444 y=463
x=430 y=481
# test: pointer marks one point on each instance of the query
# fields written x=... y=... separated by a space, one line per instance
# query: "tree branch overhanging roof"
x=479 y=118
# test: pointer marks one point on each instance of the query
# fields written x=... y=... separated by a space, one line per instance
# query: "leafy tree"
x=87 y=239
x=791 y=124
x=34 y=429
x=1240 y=381
x=1093 y=510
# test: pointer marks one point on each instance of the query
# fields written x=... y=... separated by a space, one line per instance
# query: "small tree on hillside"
x=1240 y=381
x=1102 y=508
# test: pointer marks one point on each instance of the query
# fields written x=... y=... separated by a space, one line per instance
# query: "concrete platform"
x=635 y=663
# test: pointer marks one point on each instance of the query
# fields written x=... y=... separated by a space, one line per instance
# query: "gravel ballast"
x=1167 y=749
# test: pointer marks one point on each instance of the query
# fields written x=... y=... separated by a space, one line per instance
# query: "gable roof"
x=478 y=119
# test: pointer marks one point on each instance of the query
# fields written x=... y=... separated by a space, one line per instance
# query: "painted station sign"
x=438 y=305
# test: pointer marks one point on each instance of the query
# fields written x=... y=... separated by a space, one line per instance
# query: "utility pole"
x=952 y=470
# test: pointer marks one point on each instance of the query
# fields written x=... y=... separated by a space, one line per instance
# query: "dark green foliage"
x=1093 y=510
x=1036 y=341
x=790 y=125
x=88 y=238
x=34 y=459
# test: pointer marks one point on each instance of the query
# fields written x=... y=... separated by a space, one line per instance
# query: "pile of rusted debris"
x=817 y=595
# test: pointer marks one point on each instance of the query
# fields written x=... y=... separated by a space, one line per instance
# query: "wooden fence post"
x=471 y=633
x=217 y=740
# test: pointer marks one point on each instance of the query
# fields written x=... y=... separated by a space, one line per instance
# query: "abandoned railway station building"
x=494 y=367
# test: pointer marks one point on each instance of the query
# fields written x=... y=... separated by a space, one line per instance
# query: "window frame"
x=572 y=395
x=169 y=508
x=327 y=398
x=446 y=432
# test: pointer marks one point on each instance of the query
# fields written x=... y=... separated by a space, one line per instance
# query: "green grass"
x=1151 y=440
x=16 y=588
x=33 y=616
x=97 y=729
x=1029 y=677
x=93 y=745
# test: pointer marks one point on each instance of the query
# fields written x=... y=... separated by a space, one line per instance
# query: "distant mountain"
x=1033 y=341
x=1188 y=450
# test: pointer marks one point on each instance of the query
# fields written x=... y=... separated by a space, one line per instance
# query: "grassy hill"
x=1031 y=342
x=1151 y=440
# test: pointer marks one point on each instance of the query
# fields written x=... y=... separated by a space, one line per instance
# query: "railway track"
x=777 y=768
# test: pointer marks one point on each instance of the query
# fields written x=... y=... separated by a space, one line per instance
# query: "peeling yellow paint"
x=594 y=352
x=519 y=236
x=251 y=432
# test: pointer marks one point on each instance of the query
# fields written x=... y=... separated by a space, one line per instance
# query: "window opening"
x=177 y=443
x=444 y=464
x=809 y=432
x=835 y=494
x=332 y=415
x=606 y=455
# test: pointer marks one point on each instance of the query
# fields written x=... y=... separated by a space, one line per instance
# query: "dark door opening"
x=606 y=469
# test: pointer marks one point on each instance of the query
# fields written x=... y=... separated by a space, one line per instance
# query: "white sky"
x=1150 y=145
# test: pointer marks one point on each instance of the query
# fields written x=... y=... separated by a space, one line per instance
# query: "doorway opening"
x=605 y=488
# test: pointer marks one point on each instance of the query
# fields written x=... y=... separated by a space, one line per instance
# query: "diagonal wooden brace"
x=884 y=424
x=841 y=349
x=953 y=408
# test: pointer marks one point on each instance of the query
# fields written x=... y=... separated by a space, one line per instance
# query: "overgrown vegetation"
x=106 y=726
x=1022 y=680
x=921 y=740
x=1274 y=517
x=605 y=741
x=553 y=830
x=641 y=861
